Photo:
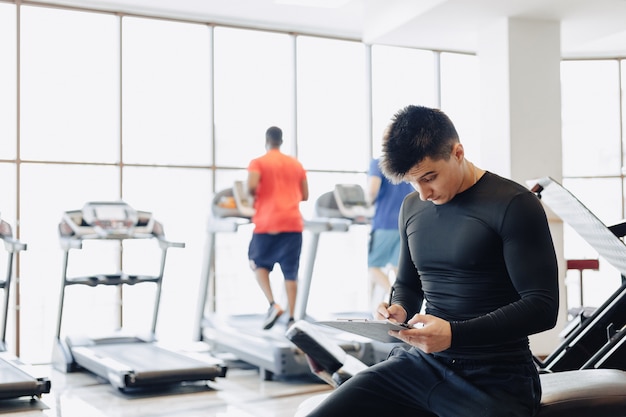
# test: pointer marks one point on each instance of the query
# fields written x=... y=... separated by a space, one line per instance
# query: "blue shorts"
x=284 y=249
x=384 y=248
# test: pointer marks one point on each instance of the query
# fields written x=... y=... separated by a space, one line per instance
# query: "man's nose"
x=423 y=191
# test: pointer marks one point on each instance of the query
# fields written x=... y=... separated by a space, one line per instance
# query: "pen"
x=391 y=294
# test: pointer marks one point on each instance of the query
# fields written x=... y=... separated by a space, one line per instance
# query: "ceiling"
x=589 y=28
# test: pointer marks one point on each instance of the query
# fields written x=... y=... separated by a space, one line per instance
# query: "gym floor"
x=242 y=393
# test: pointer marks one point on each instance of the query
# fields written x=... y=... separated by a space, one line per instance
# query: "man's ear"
x=458 y=152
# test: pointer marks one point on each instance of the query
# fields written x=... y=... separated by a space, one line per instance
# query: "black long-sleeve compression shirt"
x=485 y=262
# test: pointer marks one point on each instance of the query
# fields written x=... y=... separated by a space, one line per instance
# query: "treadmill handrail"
x=164 y=243
x=111 y=279
x=11 y=244
x=73 y=231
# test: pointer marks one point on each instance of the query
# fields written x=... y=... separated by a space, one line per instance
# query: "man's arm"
x=304 y=188
x=253 y=182
x=373 y=186
x=532 y=265
x=407 y=288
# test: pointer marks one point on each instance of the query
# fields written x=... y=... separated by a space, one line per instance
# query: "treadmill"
x=347 y=201
x=241 y=335
x=16 y=379
x=346 y=205
x=129 y=363
x=596 y=341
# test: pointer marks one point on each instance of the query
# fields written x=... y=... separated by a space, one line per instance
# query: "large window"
x=163 y=114
x=69 y=88
x=69 y=113
x=332 y=105
x=8 y=114
x=592 y=165
x=591 y=118
x=459 y=97
x=400 y=76
x=254 y=89
x=179 y=198
x=8 y=78
x=47 y=190
x=166 y=92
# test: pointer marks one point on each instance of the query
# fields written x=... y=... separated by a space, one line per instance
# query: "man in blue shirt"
x=384 y=244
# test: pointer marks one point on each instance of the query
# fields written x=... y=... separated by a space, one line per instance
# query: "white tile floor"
x=242 y=393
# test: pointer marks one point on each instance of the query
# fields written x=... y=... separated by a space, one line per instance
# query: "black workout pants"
x=411 y=383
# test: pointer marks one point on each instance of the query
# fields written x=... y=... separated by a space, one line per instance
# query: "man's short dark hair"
x=416 y=133
x=274 y=136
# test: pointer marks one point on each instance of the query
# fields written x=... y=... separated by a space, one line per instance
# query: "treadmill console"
x=107 y=219
x=234 y=202
x=5 y=228
x=11 y=244
x=345 y=201
x=110 y=218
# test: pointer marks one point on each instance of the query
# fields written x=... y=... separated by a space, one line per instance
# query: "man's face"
x=438 y=181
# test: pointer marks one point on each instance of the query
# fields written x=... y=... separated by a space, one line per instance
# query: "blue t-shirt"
x=388 y=200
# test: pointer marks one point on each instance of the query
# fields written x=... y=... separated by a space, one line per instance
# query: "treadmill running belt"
x=145 y=357
x=142 y=364
x=16 y=383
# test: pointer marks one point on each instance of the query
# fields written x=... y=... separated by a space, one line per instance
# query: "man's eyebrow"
x=427 y=174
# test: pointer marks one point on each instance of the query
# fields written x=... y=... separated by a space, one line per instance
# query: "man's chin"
x=438 y=201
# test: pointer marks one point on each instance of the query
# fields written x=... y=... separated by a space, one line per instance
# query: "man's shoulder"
x=504 y=185
x=503 y=192
x=292 y=159
x=374 y=169
x=274 y=160
x=413 y=201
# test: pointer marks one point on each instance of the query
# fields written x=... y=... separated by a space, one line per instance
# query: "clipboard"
x=373 y=329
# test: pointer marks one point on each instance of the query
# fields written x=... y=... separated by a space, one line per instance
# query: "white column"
x=521 y=117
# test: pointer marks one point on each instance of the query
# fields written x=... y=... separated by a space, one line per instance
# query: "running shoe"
x=273 y=314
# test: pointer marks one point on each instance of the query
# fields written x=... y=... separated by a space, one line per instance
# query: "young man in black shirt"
x=477 y=252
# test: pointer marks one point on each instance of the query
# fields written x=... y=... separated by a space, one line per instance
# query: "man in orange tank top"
x=278 y=183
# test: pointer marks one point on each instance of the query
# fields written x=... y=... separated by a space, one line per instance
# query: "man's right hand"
x=392 y=312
